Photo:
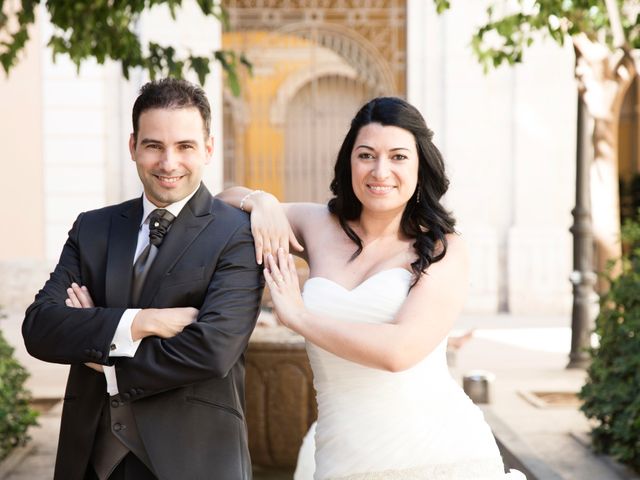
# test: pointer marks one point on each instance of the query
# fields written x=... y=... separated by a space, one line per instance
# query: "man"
x=156 y=384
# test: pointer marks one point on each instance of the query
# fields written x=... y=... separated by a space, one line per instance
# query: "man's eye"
x=186 y=146
x=153 y=146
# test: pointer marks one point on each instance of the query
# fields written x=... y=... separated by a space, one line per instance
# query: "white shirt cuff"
x=122 y=344
x=112 y=381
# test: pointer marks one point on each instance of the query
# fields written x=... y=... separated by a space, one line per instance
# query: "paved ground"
x=526 y=354
x=530 y=355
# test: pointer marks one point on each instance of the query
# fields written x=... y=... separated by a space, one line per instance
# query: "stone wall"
x=20 y=280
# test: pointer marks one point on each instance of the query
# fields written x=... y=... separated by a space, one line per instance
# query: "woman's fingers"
x=274 y=271
x=295 y=282
x=281 y=270
x=283 y=264
x=258 y=243
x=268 y=244
x=295 y=244
x=271 y=240
x=265 y=243
x=293 y=269
x=284 y=242
x=274 y=245
x=269 y=278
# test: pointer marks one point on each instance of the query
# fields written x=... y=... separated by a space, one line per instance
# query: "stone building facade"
x=508 y=136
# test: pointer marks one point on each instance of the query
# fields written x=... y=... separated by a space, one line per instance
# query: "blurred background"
x=511 y=136
x=508 y=136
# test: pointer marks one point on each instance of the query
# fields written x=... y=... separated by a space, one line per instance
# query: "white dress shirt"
x=123 y=344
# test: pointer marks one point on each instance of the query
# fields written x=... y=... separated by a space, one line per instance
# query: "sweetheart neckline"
x=319 y=277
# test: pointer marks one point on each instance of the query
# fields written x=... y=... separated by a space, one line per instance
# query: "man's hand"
x=79 y=297
x=95 y=366
x=162 y=322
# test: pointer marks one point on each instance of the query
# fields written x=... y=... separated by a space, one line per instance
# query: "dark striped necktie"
x=159 y=223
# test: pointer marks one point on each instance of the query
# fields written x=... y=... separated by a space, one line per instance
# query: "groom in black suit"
x=170 y=295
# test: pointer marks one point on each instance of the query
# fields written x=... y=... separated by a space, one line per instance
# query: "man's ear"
x=132 y=146
x=209 y=149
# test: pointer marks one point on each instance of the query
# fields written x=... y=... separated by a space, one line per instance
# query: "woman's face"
x=384 y=167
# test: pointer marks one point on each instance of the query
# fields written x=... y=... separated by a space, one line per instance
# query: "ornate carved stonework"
x=280 y=399
x=381 y=22
x=314 y=63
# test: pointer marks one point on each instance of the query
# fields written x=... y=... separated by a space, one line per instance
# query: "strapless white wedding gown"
x=372 y=424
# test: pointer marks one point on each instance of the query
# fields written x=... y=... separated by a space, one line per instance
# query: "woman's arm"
x=272 y=223
x=424 y=320
x=234 y=196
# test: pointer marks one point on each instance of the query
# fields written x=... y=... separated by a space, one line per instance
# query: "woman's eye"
x=399 y=157
x=365 y=156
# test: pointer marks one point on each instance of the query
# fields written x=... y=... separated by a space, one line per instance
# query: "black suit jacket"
x=186 y=392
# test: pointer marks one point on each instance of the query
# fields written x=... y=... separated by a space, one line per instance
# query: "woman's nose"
x=381 y=169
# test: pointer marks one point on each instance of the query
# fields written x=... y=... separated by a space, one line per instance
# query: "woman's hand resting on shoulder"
x=282 y=279
x=270 y=227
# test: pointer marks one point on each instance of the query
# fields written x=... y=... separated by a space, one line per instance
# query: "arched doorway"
x=308 y=81
x=317 y=120
x=629 y=153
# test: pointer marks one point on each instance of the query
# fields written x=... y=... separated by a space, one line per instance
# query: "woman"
x=388 y=277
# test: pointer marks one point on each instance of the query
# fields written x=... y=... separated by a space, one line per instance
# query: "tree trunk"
x=603 y=80
x=605 y=193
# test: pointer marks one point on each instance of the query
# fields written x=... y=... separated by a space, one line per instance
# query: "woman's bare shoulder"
x=456 y=243
x=457 y=252
x=453 y=267
x=302 y=215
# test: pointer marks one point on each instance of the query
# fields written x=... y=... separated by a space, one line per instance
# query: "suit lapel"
x=123 y=238
x=192 y=220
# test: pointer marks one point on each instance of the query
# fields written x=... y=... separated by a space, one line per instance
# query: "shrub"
x=611 y=393
x=16 y=416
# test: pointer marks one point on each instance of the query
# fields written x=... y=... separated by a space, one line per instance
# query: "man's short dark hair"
x=171 y=93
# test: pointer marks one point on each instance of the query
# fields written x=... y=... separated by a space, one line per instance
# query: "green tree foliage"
x=511 y=27
x=611 y=392
x=105 y=30
x=15 y=414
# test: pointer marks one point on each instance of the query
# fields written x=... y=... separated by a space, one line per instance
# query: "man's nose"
x=169 y=160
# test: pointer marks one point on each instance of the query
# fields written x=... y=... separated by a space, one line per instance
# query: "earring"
x=418 y=195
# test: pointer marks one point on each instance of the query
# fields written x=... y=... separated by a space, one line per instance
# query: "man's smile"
x=168 y=180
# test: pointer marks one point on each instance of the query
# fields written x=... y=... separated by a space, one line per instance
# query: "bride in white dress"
x=388 y=278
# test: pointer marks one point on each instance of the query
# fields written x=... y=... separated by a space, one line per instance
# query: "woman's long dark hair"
x=425 y=220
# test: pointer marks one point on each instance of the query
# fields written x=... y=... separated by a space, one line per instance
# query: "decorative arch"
x=296 y=81
x=308 y=60
x=354 y=57
x=356 y=50
x=313 y=132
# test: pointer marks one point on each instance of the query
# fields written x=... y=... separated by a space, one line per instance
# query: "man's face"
x=170 y=153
